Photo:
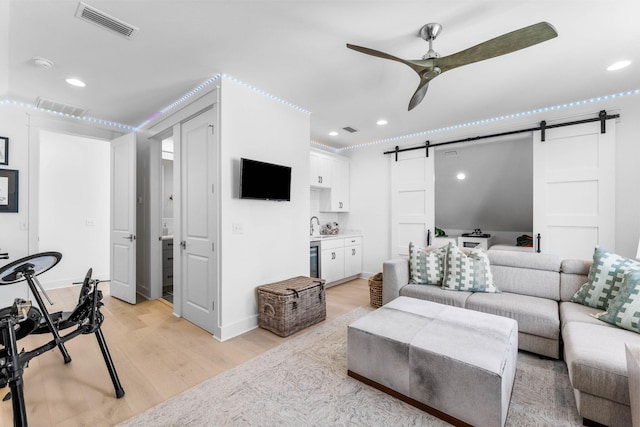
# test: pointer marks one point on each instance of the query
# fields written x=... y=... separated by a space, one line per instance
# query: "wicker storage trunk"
x=291 y=305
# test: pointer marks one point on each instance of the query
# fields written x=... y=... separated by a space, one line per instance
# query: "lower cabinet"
x=340 y=258
x=352 y=256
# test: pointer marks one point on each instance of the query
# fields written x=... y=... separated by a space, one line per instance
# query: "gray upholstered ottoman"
x=454 y=363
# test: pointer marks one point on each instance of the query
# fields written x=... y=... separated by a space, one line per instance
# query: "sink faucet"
x=311 y=225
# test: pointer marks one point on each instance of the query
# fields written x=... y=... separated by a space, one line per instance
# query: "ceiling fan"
x=432 y=65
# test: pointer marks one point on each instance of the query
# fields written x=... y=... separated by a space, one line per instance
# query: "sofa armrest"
x=395 y=275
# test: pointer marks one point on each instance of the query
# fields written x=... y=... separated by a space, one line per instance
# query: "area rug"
x=304 y=382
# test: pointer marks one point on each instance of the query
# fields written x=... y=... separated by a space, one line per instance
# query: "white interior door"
x=199 y=219
x=574 y=189
x=412 y=200
x=123 y=218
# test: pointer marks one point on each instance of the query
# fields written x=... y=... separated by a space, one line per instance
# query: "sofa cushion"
x=436 y=294
x=526 y=281
x=536 y=316
x=425 y=267
x=604 y=280
x=467 y=272
x=533 y=260
x=624 y=309
x=573 y=275
x=574 y=312
x=596 y=359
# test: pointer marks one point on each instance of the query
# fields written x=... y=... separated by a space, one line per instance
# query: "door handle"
x=130 y=237
x=183 y=244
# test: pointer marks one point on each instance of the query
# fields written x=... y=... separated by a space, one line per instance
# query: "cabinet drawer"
x=167 y=245
x=350 y=241
x=167 y=257
x=331 y=244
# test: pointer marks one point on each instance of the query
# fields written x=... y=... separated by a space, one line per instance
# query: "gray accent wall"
x=497 y=193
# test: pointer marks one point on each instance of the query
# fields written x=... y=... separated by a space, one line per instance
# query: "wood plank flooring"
x=156 y=354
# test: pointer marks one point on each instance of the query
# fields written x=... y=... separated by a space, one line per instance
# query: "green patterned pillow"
x=467 y=272
x=624 y=309
x=604 y=280
x=425 y=267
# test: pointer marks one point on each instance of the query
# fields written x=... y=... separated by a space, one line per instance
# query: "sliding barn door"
x=574 y=189
x=412 y=200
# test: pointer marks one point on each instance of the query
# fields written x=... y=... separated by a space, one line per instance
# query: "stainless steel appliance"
x=314 y=259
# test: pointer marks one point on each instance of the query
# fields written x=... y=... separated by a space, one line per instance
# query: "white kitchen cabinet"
x=336 y=199
x=352 y=256
x=332 y=259
x=340 y=258
x=319 y=171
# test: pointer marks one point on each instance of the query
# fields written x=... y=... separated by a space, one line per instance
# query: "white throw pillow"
x=467 y=272
x=425 y=267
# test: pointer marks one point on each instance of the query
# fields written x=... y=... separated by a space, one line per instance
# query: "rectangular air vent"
x=350 y=129
x=108 y=22
x=59 y=107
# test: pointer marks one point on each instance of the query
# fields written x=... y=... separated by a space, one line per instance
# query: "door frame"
x=167 y=127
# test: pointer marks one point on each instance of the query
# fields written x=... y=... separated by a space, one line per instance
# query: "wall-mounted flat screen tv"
x=264 y=181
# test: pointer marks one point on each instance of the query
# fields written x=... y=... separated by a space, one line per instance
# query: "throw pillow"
x=624 y=309
x=467 y=272
x=425 y=267
x=604 y=279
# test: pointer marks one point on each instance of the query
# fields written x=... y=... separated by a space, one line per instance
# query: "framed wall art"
x=8 y=190
x=4 y=150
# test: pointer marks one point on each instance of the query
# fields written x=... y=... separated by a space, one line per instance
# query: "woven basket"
x=291 y=305
x=375 y=290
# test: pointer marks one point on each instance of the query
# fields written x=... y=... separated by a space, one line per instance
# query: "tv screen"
x=264 y=181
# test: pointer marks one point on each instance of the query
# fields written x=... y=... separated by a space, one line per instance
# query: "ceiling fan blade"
x=501 y=45
x=418 y=96
x=417 y=66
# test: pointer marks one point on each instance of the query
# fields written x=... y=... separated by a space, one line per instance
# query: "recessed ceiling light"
x=618 y=65
x=381 y=122
x=461 y=176
x=75 y=82
x=333 y=133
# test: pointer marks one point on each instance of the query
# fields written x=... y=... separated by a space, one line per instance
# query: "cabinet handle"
x=353 y=251
x=319 y=179
x=333 y=255
x=340 y=205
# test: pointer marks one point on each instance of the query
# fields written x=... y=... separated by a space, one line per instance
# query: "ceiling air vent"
x=97 y=17
x=59 y=107
x=350 y=129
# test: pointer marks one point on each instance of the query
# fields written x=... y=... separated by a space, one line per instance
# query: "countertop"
x=344 y=235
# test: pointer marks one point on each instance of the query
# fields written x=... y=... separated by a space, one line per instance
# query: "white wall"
x=14 y=234
x=274 y=244
x=19 y=231
x=4 y=47
x=74 y=206
x=370 y=176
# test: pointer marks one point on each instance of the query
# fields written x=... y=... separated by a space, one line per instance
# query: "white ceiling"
x=296 y=51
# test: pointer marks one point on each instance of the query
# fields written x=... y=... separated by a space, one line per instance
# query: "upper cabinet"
x=330 y=174
x=336 y=199
x=320 y=171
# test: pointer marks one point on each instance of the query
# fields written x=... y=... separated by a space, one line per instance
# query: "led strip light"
x=489 y=120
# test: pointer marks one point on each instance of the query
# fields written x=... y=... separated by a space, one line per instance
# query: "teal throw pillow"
x=467 y=272
x=604 y=279
x=425 y=267
x=624 y=309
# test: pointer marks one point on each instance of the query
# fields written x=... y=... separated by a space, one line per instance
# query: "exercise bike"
x=22 y=319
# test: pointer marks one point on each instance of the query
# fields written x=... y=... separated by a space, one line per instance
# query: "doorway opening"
x=167 y=219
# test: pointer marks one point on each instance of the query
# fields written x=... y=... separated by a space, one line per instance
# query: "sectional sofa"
x=536 y=291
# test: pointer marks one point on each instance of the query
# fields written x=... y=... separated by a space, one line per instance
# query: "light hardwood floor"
x=156 y=354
